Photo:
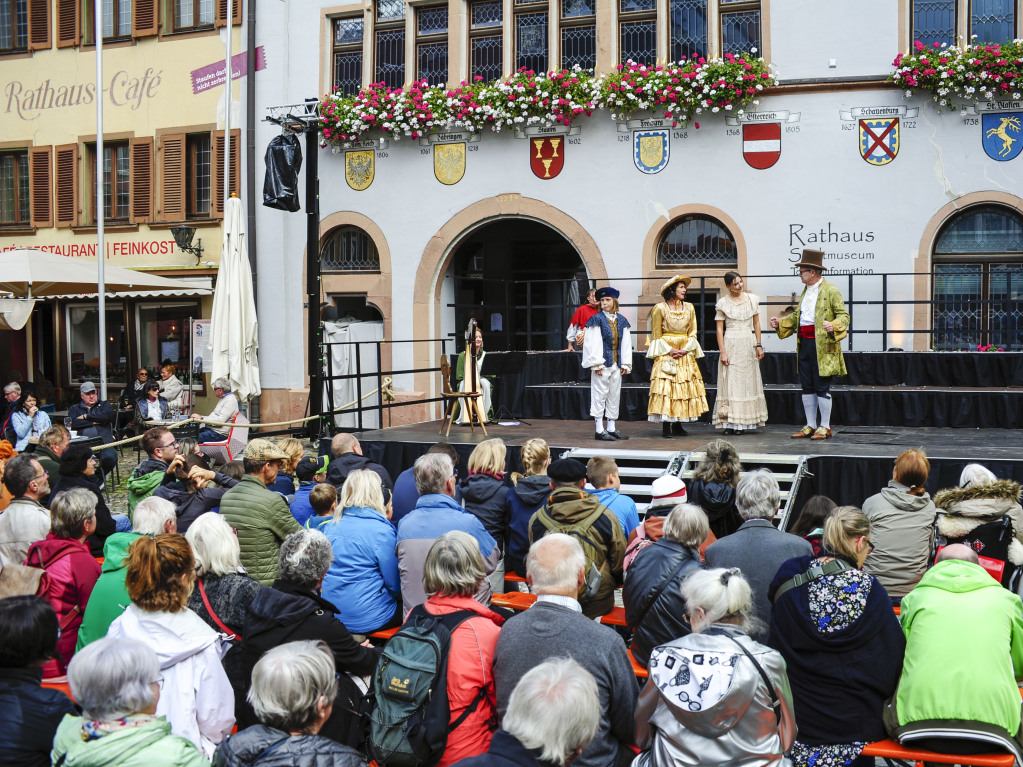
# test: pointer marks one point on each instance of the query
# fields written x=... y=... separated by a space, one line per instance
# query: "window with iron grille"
x=348 y=33
x=697 y=240
x=389 y=45
x=978 y=280
x=486 y=40
x=937 y=21
x=349 y=249
x=578 y=34
x=432 y=44
x=13 y=25
x=14 y=188
x=637 y=31
x=531 y=49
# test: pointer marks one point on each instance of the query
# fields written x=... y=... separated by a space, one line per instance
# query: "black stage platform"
x=853 y=465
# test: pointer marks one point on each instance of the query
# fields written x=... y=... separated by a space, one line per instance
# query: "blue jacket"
x=406 y=494
x=301 y=509
x=363 y=578
x=524 y=499
x=623 y=507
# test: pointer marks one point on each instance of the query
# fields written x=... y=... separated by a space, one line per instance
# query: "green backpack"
x=597 y=567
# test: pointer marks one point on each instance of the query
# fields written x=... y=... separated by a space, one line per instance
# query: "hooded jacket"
x=196 y=698
x=263 y=521
x=147 y=476
x=485 y=498
x=147 y=745
x=964 y=651
x=31 y=714
x=289 y=613
x=570 y=505
x=190 y=506
x=654 y=607
x=523 y=500
x=733 y=723
x=279 y=749
x=902 y=532
x=339 y=468
x=72 y=575
x=109 y=597
x=961 y=509
x=717 y=499
x=855 y=669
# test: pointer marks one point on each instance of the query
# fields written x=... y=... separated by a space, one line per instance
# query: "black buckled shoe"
x=603 y=436
x=617 y=434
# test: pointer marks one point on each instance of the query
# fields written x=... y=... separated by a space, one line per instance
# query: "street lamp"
x=183 y=237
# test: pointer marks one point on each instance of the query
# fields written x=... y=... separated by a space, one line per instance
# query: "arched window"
x=349 y=249
x=698 y=240
x=978 y=280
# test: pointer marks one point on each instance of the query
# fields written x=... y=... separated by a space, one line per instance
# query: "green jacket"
x=964 y=649
x=148 y=745
x=263 y=521
x=109 y=596
x=830 y=308
x=142 y=484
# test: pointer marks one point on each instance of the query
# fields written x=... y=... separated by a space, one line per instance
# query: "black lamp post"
x=183 y=237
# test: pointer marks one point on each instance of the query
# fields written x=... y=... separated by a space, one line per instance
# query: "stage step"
x=637 y=468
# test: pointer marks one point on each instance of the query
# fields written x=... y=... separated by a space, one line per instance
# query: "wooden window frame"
x=475 y=33
x=174 y=178
x=347 y=49
x=428 y=39
x=40 y=186
x=25 y=221
x=562 y=22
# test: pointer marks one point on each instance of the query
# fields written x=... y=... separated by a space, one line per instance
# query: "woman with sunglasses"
x=842 y=644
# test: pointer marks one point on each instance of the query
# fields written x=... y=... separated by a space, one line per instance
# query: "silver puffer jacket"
x=705 y=703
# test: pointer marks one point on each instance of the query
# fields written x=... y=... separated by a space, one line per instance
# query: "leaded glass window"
x=992 y=21
x=348 y=32
x=349 y=249
x=698 y=240
x=390 y=10
x=982 y=229
x=14 y=204
x=390 y=57
x=531 y=41
x=740 y=32
x=688 y=28
x=432 y=44
x=486 y=58
x=579 y=47
x=934 y=21
x=639 y=42
x=487 y=14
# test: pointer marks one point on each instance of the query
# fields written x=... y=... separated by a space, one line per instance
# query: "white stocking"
x=810 y=408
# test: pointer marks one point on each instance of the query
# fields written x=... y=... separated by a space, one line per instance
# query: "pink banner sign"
x=212 y=75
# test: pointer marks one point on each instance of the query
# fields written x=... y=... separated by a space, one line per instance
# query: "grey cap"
x=87 y=387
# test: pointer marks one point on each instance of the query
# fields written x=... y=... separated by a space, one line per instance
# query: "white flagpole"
x=100 y=175
x=227 y=104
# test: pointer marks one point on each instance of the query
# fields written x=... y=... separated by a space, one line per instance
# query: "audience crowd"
x=260 y=613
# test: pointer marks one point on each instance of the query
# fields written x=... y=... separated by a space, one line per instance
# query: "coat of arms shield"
x=879 y=140
x=650 y=150
x=360 y=169
x=449 y=162
x=547 y=156
x=761 y=144
x=1001 y=135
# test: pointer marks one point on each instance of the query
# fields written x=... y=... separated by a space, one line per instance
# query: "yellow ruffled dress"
x=680 y=396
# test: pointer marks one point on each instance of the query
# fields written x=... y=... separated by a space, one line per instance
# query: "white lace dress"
x=740 y=402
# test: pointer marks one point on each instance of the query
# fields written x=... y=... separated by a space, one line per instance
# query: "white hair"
x=555 y=708
x=151 y=516
x=720 y=593
x=290 y=681
x=975 y=474
x=113 y=678
x=757 y=495
x=687 y=524
x=305 y=558
x=562 y=565
x=214 y=545
x=222 y=383
x=431 y=472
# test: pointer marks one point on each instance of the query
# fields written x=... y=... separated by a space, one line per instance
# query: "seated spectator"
x=654 y=608
x=555 y=626
x=260 y=515
x=25 y=520
x=196 y=696
x=834 y=626
x=346 y=457
x=901 y=526
x=30 y=712
x=188 y=446
x=161 y=449
x=483 y=495
x=436 y=513
x=405 y=492
x=12 y=396
x=151 y=407
x=223 y=413
x=196 y=490
x=602 y=473
x=529 y=491
x=293 y=610
x=569 y=509
x=136 y=390
x=709 y=697
x=120 y=687
x=110 y=595
x=223 y=591
x=713 y=486
x=95 y=419
x=71 y=570
x=758 y=548
x=6 y=453
x=975 y=512
x=666 y=492
x=285 y=482
x=171 y=388
x=958 y=693
x=234 y=469
x=452 y=575
x=363 y=578
x=79 y=468
x=323 y=502
x=310 y=472
x=29 y=422
x=553 y=714
x=52 y=444
x=810 y=525
x=292 y=694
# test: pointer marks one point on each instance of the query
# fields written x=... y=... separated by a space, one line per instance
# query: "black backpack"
x=992 y=540
x=411 y=717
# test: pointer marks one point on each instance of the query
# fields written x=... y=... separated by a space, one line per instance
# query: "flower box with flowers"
x=975 y=73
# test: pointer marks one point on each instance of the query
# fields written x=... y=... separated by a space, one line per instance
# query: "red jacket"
x=72 y=574
x=470 y=667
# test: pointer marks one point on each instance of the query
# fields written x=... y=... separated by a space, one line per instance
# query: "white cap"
x=669 y=486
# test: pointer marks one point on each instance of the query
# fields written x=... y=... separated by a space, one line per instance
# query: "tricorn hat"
x=607 y=292
x=812 y=258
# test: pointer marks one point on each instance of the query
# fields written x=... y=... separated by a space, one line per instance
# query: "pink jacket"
x=72 y=572
x=470 y=667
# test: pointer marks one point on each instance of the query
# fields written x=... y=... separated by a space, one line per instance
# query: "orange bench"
x=889 y=749
x=514 y=600
x=59 y=683
x=385 y=634
x=513 y=578
x=642 y=673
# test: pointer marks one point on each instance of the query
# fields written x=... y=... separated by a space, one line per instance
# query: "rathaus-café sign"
x=124 y=89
